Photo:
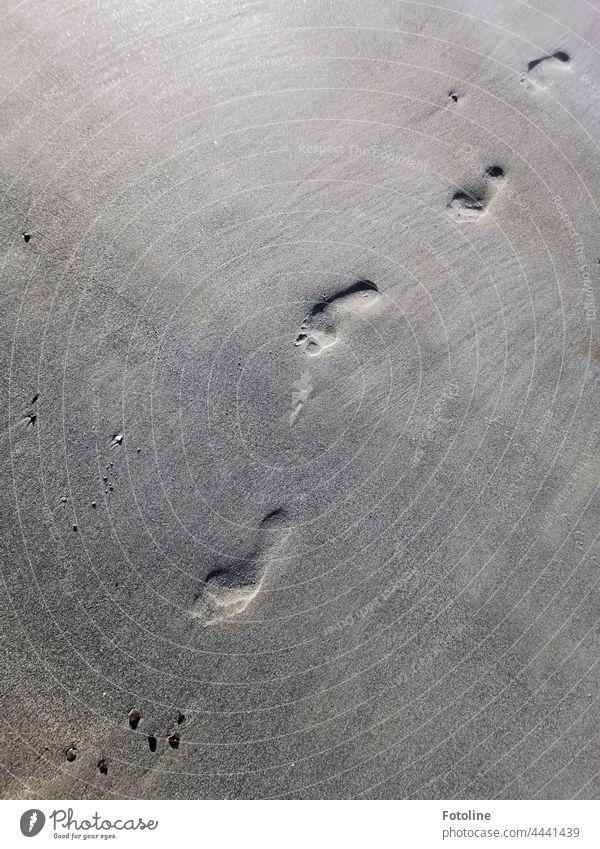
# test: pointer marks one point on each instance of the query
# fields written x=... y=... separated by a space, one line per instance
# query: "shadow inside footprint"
x=466 y=207
x=233 y=589
x=560 y=56
x=551 y=60
x=318 y=331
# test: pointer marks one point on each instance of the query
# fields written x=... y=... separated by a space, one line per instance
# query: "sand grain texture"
x=300 y=391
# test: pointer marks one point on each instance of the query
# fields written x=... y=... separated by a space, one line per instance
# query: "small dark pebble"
x=173 y=740
x=71 y=754
x=103 y=767
x=134 y=717
x=152 y=743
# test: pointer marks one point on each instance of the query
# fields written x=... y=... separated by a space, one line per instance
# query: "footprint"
x=551 y=59
x=470 y=204
x=318 y=331
x=228 y=590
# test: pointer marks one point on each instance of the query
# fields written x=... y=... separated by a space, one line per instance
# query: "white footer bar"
x=285 y=824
